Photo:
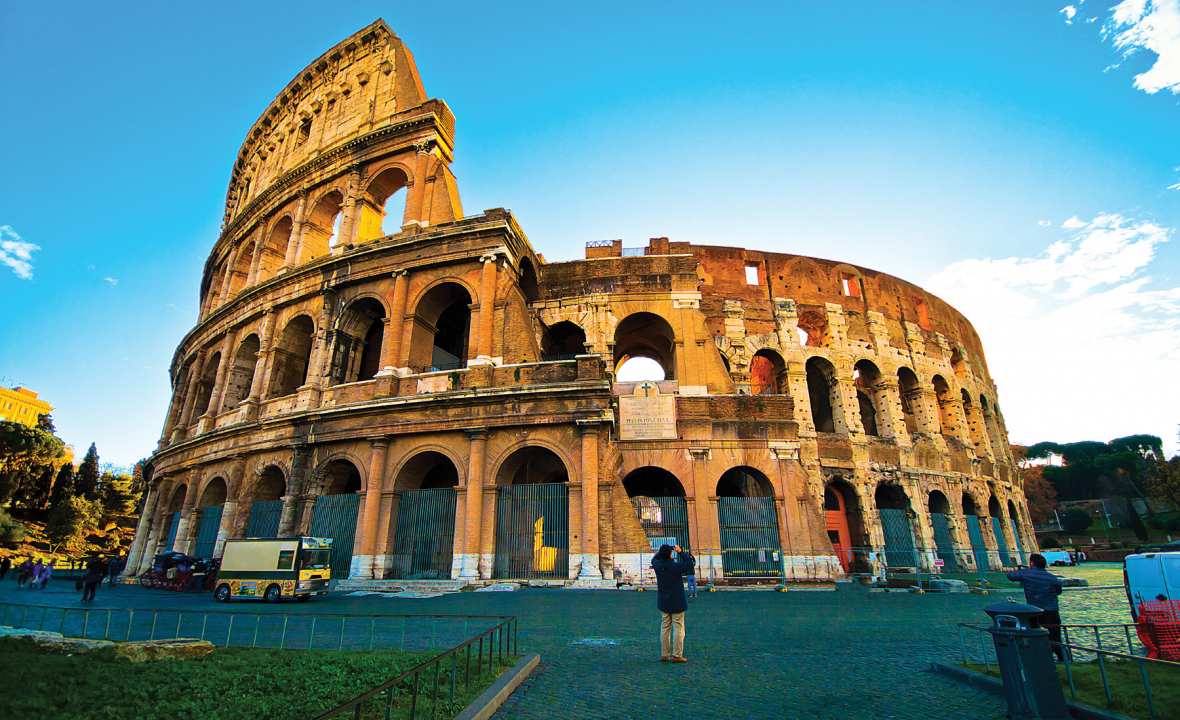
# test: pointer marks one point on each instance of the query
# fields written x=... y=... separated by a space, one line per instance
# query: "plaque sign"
x=647 y=415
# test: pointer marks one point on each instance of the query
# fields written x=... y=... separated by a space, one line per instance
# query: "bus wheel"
x=221 y=594
x=273 y=593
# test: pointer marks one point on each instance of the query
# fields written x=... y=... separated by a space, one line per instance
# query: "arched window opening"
x=744 y=482
x=644 y=341
x=428 y=470
x=241 y=373
x=205 y=386
x=658 y=500
x=292 y=354
x=335 y=510
x=974 y=422
x=911 y=396
x=214 y=493
x=340 y=477
x=531 y=466
x=563 y=341
x=993 y=506
x=938 y=503
x=958 y=364
x=321 y=228
x=747 y=518
x=270 y=486
x=969 y=507
x=845 y=529
x=813 y=328
x=652 y=482
x=870 y=395
x=382 y=207
x=240 y=272
x=991 y=424
x=442 y=325
x=768 y=373
x=823 y=394
x=891 y=497
x=356 y=346
x=528 y=281
x=274 y=249
x=944 y=544
x=422 y=517
x=942 y=391
x=532 y=515
x=176 y=504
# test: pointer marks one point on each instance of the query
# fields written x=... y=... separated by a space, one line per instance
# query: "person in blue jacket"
x=1041 y=589
x=670 y=599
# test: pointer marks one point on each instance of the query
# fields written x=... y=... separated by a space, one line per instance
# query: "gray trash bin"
x=1026 y=662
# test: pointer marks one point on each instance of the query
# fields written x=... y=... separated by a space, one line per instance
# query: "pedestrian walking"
x=5 y=566
x=1041 y=589
x=26 y=573
x=35 y=576
x=670 y=599
x=92 y=579
x=691 y=577
x=46 y=574
x=114 y=568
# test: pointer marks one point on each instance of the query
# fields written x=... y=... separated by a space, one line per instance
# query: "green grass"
x=1126 y=687
x=231 y=683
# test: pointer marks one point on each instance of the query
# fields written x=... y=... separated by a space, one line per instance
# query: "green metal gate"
x=943 y=542
x=1020 y=557
x=173 y=525
x=899 y=538
x=334 y=517
x=664 y=519
x=207 y=524
x=749 y=537
x=1001 y=543
x=264 y=518
x=425 y=539
x=978 y=549
x=532 y=531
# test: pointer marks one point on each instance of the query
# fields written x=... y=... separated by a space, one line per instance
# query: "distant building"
x=21 y=405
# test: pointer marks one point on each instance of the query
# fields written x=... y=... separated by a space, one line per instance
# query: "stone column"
x=487 y=309
x=890 y=422
x=415 y=212
x=589 y=551
x=142 y=530
x=926 y=411
x=475 y=563
x=187 y=515
x=372 y=557
x=287 y=516
x=256 y=259
x=227 y=351
x=295 y=242
x=320 y=354
x=190 y=397
x=797 y=388
x=391 y=343
x=258 y=380
x=349 y=220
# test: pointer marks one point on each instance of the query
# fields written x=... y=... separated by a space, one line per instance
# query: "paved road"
x=844 y=654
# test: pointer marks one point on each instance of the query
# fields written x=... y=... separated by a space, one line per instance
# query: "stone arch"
x=812 y=328
x=435 y=448
x=748 y=524
x=648 y=336
x=384 y=196
x=440 y=335
x=870 y=396
x=272 y=249
x=942 y=393
x=563 y=340
x=532 y=463
x=176 y=499
x=356 y=343
x=891 y=495
x=968 y=504
x=214 y=492
x=661 y=510
x=937 y=503
x=421 y=517
x=241 y=373
x=652 y=481
x=340 y=474
x=425 y=470
x=206 y=383
x=768 y=373
x=321 y=227
x=844 y=523
x=270 y=483
x=823 y=392
x=911 y=397
x=240 y=270
x=528 y=281
x=744 y=481
x=292 y=356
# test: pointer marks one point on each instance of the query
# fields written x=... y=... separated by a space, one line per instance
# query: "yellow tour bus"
x=274 y=568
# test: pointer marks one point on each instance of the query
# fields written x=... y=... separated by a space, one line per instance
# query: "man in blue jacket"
x=670 y=599
x=1041 y=588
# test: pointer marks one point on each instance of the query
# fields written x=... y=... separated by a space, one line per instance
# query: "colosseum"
x=373 y=365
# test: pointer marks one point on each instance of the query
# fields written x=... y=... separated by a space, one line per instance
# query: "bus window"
x=286 y=559
x=314 y=559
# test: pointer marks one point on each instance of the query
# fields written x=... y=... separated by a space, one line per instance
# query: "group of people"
x=33 y=575
x=97 y=568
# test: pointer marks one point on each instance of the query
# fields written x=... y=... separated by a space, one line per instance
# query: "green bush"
x=12 y=531
x=1076 y=521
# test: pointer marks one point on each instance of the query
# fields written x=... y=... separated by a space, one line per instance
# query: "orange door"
x=837 y=526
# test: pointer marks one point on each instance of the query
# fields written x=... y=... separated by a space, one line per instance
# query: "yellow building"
x=21 y=405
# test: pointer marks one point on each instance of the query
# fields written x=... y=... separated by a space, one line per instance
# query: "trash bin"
x=1026 y=662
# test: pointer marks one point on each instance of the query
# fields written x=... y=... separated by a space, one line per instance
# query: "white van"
x=1147 y=576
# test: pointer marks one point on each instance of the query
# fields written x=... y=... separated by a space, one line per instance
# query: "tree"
x=11 y=531
x=86 y=481
x=1040 y=493
x=63 y=486
x=1164 y=480
x=23 y=452
x=33 y=494
x=1076 y=520
x=117 y=496
x=69 y=523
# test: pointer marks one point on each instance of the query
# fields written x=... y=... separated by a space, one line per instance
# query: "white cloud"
x=111 y=281
x=16 y=253
x=1080 y=343
x=1044 y=223
x=1154 y=26
x=1068 y=11
x=1073 y=223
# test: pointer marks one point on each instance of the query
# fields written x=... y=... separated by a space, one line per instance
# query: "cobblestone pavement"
x=844 y=654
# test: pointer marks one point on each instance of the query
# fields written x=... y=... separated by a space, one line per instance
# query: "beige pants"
x=672 y=635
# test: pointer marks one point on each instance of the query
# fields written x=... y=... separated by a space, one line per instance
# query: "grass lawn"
x=1126 y=687
x=231 y=683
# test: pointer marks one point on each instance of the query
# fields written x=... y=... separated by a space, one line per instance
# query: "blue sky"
x=1013 y=158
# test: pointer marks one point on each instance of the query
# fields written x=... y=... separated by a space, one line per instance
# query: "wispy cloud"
x=1068 y=11
x=112 y=281
x=1044 y=223
x=1080 y=342
x=16 y=253
x=1152 y=26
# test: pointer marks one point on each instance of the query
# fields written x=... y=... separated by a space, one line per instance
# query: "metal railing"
x=319 y=631
x=1101 y=655
x=406 y=693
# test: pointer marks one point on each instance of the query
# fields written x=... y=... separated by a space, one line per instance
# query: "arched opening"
x=179 y=394
x=422 y=518
x=748 y=520
x=273 y=251
x=992 y=426
x=266 y=507
x=658 y=500
x=532 y=515
x=210 y=505
x=942 y=392
x=768 y=373
x=321 y=227
x=974 y=422
x=894 y=508
x=812 y=328
x=356 y=345
x=823 y=392
x=1014 y=521
x=383 y=206
x=842 y=519
x=870 y=395
x=240 y=272
x=205 y=386
x=975 y=533
x=335 y=511
x=563 y=341
x=645 y=349
x=940 y=510
x=958 y=364
x=911 y=397
x=241 y=373
x=175 y=506
x=997 y=516
x=292 y=354
x=442 y=325
x=528 y=281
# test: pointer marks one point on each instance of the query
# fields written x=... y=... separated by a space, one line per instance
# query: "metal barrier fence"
x=1102 y=654
x=266 y=630
x=406 y=693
